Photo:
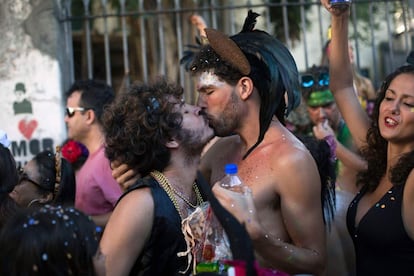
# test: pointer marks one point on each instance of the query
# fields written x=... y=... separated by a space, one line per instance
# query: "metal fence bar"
x=106 y=45
x=371 y=19
x=126 y=81
x=232 y=22
x=322 y=36
x=88 y=39
x=304 y=31
x=213 y=14
x=162 y=62
x=354 y=25
x=390 y=42
x=67 y=27
x=221 y=15
x=143 y=42
x=268 y=23
x=180 y=47
x=406 y=27
x=286 y=24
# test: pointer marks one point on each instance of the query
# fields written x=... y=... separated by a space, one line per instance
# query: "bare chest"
x=256 y=172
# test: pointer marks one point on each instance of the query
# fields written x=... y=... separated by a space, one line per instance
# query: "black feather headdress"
x=266 y=52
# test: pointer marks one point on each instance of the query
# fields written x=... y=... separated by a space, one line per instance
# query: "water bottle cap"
x=230 y=169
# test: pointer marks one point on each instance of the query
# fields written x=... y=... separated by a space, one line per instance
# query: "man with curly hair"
x=154 y=132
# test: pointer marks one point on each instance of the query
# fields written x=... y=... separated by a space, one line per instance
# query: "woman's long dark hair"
x=322 y=154
x=8 y=179
x=375 y=152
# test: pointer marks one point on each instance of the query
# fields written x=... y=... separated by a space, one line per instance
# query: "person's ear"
x=246 y=87
x=91 y=116
x=46 y=198
x=172 y=144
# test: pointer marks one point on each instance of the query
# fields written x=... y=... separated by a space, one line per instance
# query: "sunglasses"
x=24 y=177
x=308 y=81
x=70 y=111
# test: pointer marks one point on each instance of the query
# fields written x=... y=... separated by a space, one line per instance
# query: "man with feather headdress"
x=247 y=84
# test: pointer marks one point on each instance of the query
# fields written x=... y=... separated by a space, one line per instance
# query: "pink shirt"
x=96 y=190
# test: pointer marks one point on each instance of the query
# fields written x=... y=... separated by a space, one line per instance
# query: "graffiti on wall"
x=30 y=79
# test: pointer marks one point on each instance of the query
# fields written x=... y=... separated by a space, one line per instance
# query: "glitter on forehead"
x=208 y=79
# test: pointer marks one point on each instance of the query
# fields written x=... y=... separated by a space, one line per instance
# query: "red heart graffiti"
x=27 y=127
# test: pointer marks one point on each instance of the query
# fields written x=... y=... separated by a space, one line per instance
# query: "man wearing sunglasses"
x=326 y=123
x=96 y=190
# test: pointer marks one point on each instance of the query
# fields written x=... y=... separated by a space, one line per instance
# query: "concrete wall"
x=30 y=77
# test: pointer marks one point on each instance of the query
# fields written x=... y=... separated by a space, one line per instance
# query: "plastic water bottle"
x=232 y=181
x=340 y=3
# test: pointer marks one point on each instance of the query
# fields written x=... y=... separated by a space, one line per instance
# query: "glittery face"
x=209 y=79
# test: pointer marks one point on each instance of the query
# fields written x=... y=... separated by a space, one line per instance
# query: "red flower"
x=71 y=151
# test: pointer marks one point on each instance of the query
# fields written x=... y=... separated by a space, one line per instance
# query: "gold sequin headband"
x=58 y=167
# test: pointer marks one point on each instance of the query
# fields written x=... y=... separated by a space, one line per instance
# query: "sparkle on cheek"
x=209 y=79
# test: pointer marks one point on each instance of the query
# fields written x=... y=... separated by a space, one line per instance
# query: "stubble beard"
x=194 y=141
x=227 y=122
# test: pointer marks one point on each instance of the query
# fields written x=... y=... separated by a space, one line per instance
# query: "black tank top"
x=159 y=255
x=382 y=245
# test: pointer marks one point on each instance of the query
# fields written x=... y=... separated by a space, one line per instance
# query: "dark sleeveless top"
x=382 y=245
x=159 y=255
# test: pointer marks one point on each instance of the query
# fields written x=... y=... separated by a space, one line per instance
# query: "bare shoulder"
x=137 y=199
x=292 y=159
x=132 y=216
x=285 y=150
x=282 y=159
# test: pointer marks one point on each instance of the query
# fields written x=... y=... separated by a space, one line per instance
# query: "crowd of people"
x=329 y=197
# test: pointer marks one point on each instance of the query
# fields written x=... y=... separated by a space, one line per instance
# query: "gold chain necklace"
x=171 y=192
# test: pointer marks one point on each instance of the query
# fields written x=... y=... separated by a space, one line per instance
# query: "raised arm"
x=341 y=80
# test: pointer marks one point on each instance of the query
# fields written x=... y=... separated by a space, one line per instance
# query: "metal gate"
x=122 y=41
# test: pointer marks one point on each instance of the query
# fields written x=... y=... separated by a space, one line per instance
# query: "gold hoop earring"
x=33 y=201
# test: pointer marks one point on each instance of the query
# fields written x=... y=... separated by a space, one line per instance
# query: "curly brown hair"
x=140 y=122
x=375 y=152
